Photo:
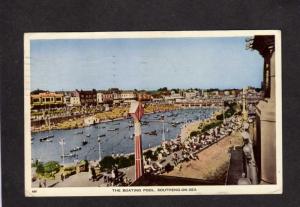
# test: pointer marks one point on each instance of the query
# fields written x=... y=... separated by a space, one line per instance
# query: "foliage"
x=70 y=168
x=108 y=162
x=40 y=168
x=51 y=166
x=37 y=91
x=194 y=133
x=163 y=89
x=229 y=112
x=150 y=154
x=211 y=125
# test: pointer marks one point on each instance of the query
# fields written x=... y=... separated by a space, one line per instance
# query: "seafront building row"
x=116 y=97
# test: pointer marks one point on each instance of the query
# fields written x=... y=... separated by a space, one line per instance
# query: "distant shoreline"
x=81 y=126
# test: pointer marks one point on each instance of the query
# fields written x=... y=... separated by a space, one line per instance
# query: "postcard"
x=153 y=113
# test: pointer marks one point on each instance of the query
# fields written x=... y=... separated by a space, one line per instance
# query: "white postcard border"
x=154 y=190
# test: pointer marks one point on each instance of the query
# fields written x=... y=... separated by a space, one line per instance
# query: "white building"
x=99 y=98
x=128 y=95
x=75 y=101
x=67 y=100
x=190 y=95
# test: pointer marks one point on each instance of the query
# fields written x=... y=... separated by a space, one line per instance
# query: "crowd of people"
x=173 y=152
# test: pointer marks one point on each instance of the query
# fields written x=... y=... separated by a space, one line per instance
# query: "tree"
x=37 y=91
x=40 y=168
x=51 y=166
x=163 y=89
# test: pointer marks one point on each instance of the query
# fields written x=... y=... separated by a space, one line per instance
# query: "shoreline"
x=81 y=126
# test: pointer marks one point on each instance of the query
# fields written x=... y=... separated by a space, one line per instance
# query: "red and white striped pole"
x=136 y=110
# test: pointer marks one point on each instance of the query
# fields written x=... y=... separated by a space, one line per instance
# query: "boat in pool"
x=113 y=129
x=145 y=123
x=80 y=132
x=151 y=133
x=75 y=149
x=84 y=142
x=47 y=138
x=69 y=155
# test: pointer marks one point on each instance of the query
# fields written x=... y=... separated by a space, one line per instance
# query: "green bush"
x=40 y=168
x=51 y=166
x=150 y=154
x=71 y=168
x=211 y=125
x=194 y=133
x=107 y=162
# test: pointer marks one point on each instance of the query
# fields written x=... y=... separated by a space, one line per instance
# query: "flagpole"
x=99 y=149
x=62 y=142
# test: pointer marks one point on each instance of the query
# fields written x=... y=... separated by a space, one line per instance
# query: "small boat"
x=75 y=149
x=69 y=155
x=151 y=133
x=80 y=132
x=145 y=123
x=116 y=123
x=102 y=135
x=84 y=142
x=45 y=138
x=113 y=129
x=88 y=135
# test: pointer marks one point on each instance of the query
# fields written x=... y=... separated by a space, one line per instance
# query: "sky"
x=144 y=63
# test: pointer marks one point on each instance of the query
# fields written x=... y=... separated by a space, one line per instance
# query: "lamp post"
x=99 y=144
x=163 y=132
x=62 y=143
x=245 y=113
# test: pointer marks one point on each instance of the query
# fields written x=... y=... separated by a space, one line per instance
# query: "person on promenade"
x=93 y=174
x=175 y=158
x=62 y=177
x=45 y=183
x=40 y=183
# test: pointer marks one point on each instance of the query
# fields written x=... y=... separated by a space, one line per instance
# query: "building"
x=190 y=94
x=87 y=98
x=226 y=93
x=128 y=95
x=117 y=97
x=143 y=96
x=74 y=101
x=265 y=139
x=99 y=97
x=107 y=97
x=47 y=100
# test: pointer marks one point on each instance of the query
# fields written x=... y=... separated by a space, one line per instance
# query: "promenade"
x=213 y=161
